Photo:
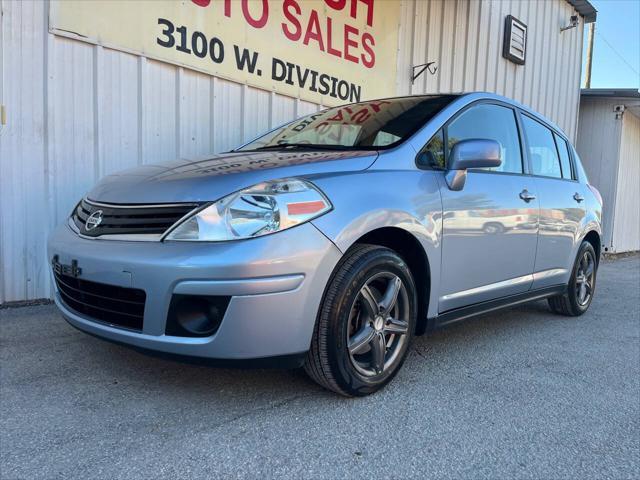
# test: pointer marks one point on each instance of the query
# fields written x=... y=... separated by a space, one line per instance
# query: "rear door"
x=490 y=226
x=561 y=202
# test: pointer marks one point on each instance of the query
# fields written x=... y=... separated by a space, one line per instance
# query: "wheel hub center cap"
x=378 y=323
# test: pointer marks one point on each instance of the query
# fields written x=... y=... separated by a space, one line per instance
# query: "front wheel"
x=581 y=285
x=365 y=323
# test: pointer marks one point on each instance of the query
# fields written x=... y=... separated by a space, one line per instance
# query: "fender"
x=592 y=221
x=405 y=199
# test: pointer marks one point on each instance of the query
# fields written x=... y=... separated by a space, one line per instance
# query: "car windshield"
x=373 y=125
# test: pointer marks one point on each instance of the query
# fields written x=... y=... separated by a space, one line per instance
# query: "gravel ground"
x=515 y=394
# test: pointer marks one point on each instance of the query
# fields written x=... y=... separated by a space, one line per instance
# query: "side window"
x=491 y=122
x=565 y=162
x=434 y=151
x=581 y=175
x=542 y=149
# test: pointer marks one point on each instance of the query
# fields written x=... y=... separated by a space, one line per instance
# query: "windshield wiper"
x=305 y=146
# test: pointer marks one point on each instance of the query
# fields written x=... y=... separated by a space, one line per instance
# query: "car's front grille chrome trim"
x=136 y=223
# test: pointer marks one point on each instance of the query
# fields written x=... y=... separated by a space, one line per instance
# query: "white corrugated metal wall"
x=77 y=111
x=609 y=146
x=464 y=38
x=626 y=224
x=598 y=145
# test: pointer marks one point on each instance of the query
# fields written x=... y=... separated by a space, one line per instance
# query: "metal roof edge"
x=610 y=92
x=584 y=8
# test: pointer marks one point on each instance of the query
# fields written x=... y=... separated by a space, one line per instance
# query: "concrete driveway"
x=516 y=394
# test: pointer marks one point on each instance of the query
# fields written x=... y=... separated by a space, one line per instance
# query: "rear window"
x=542 y=149
x=565 y=159
x=581 y=175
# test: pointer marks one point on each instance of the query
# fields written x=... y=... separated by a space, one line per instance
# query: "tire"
x=354 y=352
x=493 y=228
x=583 y=276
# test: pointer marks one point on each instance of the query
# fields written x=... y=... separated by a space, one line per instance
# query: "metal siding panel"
x=227 y=110
x=305 y=108
x=195 y=114
x=282 y=109
x=71 y=127
x=535 y=54
x=516 y=87
x=552 y=28
x=117 y=111
x=598 y=143
x=471 y=52
x=446 y=46
x=458 y=54
x=503 y=67
x=434 y=29
x=572 y=102
x=494 y=42
x=405 y=46
x=418 y=46
x=547 y=82
x=160 y=101
x=573 y=98
x=257 y=112
x=626 y=223
x=480 y=80
x=542 y=66
x=22 y=155
x=531 y=19
x=563 y=70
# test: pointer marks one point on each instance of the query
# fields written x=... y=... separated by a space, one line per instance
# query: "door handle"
x=577 y=197
x=526 y=196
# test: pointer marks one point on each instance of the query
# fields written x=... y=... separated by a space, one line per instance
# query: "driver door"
x=490 y=227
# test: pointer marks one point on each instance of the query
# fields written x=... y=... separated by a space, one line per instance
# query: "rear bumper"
x=276 y=283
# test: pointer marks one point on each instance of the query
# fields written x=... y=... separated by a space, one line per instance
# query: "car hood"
x=208 y=179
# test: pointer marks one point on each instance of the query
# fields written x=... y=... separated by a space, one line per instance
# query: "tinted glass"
x=581 y=175
x=365 y=125
x=435 y=150
x=565 y=162
x=490 y=122
x=542 y=149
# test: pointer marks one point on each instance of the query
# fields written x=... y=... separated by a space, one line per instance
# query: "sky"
x=617 y=35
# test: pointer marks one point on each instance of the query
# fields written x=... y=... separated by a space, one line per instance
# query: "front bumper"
x=276 y=283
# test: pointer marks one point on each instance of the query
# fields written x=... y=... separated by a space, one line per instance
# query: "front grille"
x=127 y=220
x=116 y=306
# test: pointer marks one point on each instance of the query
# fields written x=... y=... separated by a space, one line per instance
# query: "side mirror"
x=471 y=153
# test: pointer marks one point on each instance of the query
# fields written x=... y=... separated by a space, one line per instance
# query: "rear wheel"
x=365 y=324
x=581 y=285
x=493 y=228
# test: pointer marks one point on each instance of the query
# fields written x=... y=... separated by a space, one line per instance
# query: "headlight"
x=259 y=210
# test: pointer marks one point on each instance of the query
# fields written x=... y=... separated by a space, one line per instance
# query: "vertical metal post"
x=587 y=77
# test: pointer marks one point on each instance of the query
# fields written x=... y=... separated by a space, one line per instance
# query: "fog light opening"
x=195 y=316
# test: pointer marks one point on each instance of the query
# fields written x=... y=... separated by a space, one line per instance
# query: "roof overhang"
x=610 y=92
x=629 y=97
x=584 y=8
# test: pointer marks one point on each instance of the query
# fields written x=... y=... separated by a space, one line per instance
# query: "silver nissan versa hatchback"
x=329 y=242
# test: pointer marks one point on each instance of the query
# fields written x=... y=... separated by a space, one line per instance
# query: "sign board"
x=329 y=51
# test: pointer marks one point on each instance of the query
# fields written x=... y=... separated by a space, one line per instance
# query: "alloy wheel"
x=378 y=324
x=585 y=277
